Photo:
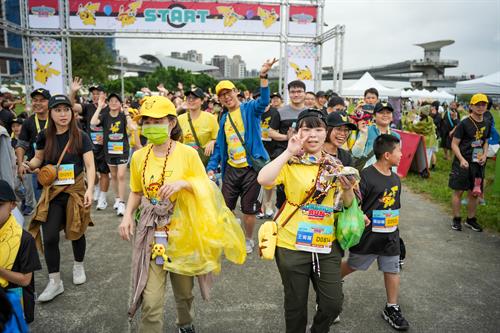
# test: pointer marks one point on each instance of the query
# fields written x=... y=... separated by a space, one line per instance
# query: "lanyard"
x=38 y=124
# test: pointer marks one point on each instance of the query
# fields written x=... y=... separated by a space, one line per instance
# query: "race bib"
x=314 y=238
x=385 y=221
x=476 y=144
x=265 y=134
x=97 y=137
x=477 y=153
x=115 y=148
x=65 y=175
x=238 y=155
x=160 y=247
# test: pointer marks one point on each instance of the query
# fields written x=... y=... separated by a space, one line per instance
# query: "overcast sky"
x=378 y=32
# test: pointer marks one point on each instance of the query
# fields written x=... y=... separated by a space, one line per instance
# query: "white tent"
x=365 y=82
x=438 y=95
x=489 y=84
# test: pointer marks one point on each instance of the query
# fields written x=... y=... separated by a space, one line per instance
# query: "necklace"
x=154 y=201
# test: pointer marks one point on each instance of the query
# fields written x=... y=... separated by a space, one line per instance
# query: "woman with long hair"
x=183 y=225
x=66 y=202
x=307 y=249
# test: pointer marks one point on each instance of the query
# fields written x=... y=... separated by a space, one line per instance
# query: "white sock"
x=102 y=195
x=78 y=264
x=117 y=200
x=55 y=276
x=97 y=188
x=390 y=304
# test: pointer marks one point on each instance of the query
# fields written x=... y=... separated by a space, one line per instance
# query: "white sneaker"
x=51 y=291
x=120 y=211
x=102 y=204
x=269 y=213
x=117 y=202
x=79 y=276
x=250 y=244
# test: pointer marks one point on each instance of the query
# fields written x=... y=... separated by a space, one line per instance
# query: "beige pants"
x=152 y=310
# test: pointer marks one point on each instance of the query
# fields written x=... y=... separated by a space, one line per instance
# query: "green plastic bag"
x=350 y=226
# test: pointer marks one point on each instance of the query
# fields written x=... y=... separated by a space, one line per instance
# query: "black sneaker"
x=456 y=224
x=472 y=223
x=395 y=318
x=187 y=329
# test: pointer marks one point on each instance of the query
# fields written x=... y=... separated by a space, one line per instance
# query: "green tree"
x=91 y=59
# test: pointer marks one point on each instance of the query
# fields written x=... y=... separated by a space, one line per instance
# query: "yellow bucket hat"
x=156 y=107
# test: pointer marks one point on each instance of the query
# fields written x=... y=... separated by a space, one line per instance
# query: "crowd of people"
x=305 y=163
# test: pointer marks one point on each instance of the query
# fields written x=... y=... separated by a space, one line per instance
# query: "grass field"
x=436 y=188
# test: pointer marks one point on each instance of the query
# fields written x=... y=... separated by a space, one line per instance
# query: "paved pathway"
x=450 y=283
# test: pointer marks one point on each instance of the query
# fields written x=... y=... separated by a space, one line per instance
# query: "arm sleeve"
x=214 y=125
x=86 y=143
x=275 y=121
x=24 y=135
x=214 y=161
x=28 y=260
x=459 y=132
x=359 y=146
x=135 y=173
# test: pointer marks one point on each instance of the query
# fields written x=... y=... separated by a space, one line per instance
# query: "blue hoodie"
x=250 y=113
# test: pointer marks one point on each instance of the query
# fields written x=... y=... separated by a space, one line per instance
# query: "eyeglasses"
x=343 y=130
x=296 y=92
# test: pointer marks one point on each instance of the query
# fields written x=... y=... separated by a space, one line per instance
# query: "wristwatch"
x=263 y=76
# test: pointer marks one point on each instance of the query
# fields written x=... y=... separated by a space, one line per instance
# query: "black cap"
x=383 y=105
x=276 y=94
x=335 y=100
x=99 y=88
x=256 y=93
x=337 y=119
x=58 y=100
x=321 y=93
x=435 y=104
x=114 y=95
x=6 y=192
x=310 y=113
x=19 y=121
x=42 y=92
x=241 y=94
x=331 y=93
x=197 y=92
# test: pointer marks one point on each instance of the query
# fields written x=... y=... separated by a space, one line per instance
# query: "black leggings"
x=56 y=220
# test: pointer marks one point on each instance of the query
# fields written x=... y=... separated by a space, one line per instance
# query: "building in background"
x=190 y=55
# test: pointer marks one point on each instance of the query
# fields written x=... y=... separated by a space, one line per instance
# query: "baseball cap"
x=115 y=95
x=156 y=107
x=310 y=113
x=276 y=94
x=58 y=100
x=478 y=98
x=383 y=105
x=99 y=88
x=337 y=119
x=224 y=84
x=321 y=93
x=256 y=93
x=335 y=100
x=6 y=192
x=19 y=121
x=42 y=92
x=197 y=92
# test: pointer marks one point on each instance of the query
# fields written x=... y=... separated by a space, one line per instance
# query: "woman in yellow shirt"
x=306 y=248
x=183 y=226
x=199 y=128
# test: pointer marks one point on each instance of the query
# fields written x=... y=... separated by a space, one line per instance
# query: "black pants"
x=56 y=220
x=296 y=270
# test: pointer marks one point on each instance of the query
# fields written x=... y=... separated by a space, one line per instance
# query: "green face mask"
x=157 y=134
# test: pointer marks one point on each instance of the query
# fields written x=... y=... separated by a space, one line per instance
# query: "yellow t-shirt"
x=235 y=150
x=182 y=163
x=205 y=126
x=298 y=180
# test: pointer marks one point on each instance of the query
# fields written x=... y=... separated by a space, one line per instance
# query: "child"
x=470 y=145
x=381 y=189
x=19 y=257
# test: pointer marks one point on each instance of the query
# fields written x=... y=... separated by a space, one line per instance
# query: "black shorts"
x=114 y=160
x=100 y=160
x=241 y=182
x=463 y=179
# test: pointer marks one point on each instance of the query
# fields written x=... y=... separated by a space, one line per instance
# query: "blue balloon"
x=108 y=10
x=250 y=14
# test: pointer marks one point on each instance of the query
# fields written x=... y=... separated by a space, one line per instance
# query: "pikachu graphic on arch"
x=268 y=17
x=230 y=16
x=87 y=12
x=44 y=72
x=128 y=16
x=303 y=74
